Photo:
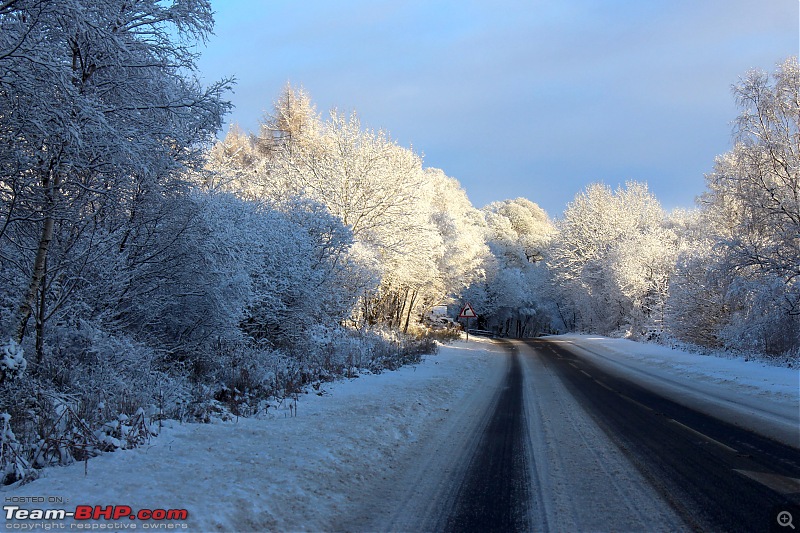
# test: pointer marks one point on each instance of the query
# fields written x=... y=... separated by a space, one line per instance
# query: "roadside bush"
x=97 y=390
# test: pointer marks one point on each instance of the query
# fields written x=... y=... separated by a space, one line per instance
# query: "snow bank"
x=283 y=473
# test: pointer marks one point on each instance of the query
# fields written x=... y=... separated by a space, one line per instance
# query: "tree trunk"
x=40 y=263
x=366 y=310
x=410 y=307
x=402 y=307
x=40 y=317
x=26 y=306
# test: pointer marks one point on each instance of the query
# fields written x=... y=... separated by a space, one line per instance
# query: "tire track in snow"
x=495 y=493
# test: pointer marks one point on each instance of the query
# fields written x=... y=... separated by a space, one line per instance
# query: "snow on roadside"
x=282 y=473
x=750 y=393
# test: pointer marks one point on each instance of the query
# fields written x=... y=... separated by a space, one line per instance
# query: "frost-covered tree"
x=508 y=296
x=760 y=179
x=293 y=122
x=363 y=177
x=375 y=187
x=519 y=229
x=231 y=164
x=611 y=259
x=100 y=105
x=695 y=307
x=752 y=208
x=255 y=165
x=463 y=230
x=754 y=191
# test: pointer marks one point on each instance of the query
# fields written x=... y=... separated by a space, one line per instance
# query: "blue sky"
x=532 y=98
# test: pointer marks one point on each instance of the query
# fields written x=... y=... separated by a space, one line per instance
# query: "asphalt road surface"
x=717 y=476
x=532 y=471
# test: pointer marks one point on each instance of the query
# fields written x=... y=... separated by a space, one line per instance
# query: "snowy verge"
x=750 y=394
x=283 y=473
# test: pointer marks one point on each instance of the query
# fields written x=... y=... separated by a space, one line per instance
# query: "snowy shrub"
x=759 y=319
x=13 y=465
x=696 y=309
x=12 y=361
x=125 y=432
x=67 y=437
x=336 y=351
x=94 y=391
x=389 y=349
x=103 y=368
x=244 y=378
x=713 y=304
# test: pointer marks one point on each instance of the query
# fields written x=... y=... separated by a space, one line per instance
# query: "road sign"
x=468 y=312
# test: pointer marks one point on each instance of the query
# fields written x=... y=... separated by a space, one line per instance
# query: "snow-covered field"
x=750 y=393
x=333 y=465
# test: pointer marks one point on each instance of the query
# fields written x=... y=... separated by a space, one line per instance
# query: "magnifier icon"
x=785 y=519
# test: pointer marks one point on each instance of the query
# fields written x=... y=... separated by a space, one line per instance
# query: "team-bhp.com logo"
x=89 y=517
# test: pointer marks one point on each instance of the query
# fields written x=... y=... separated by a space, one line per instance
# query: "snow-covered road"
x=388 y=452
x=577 y=479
